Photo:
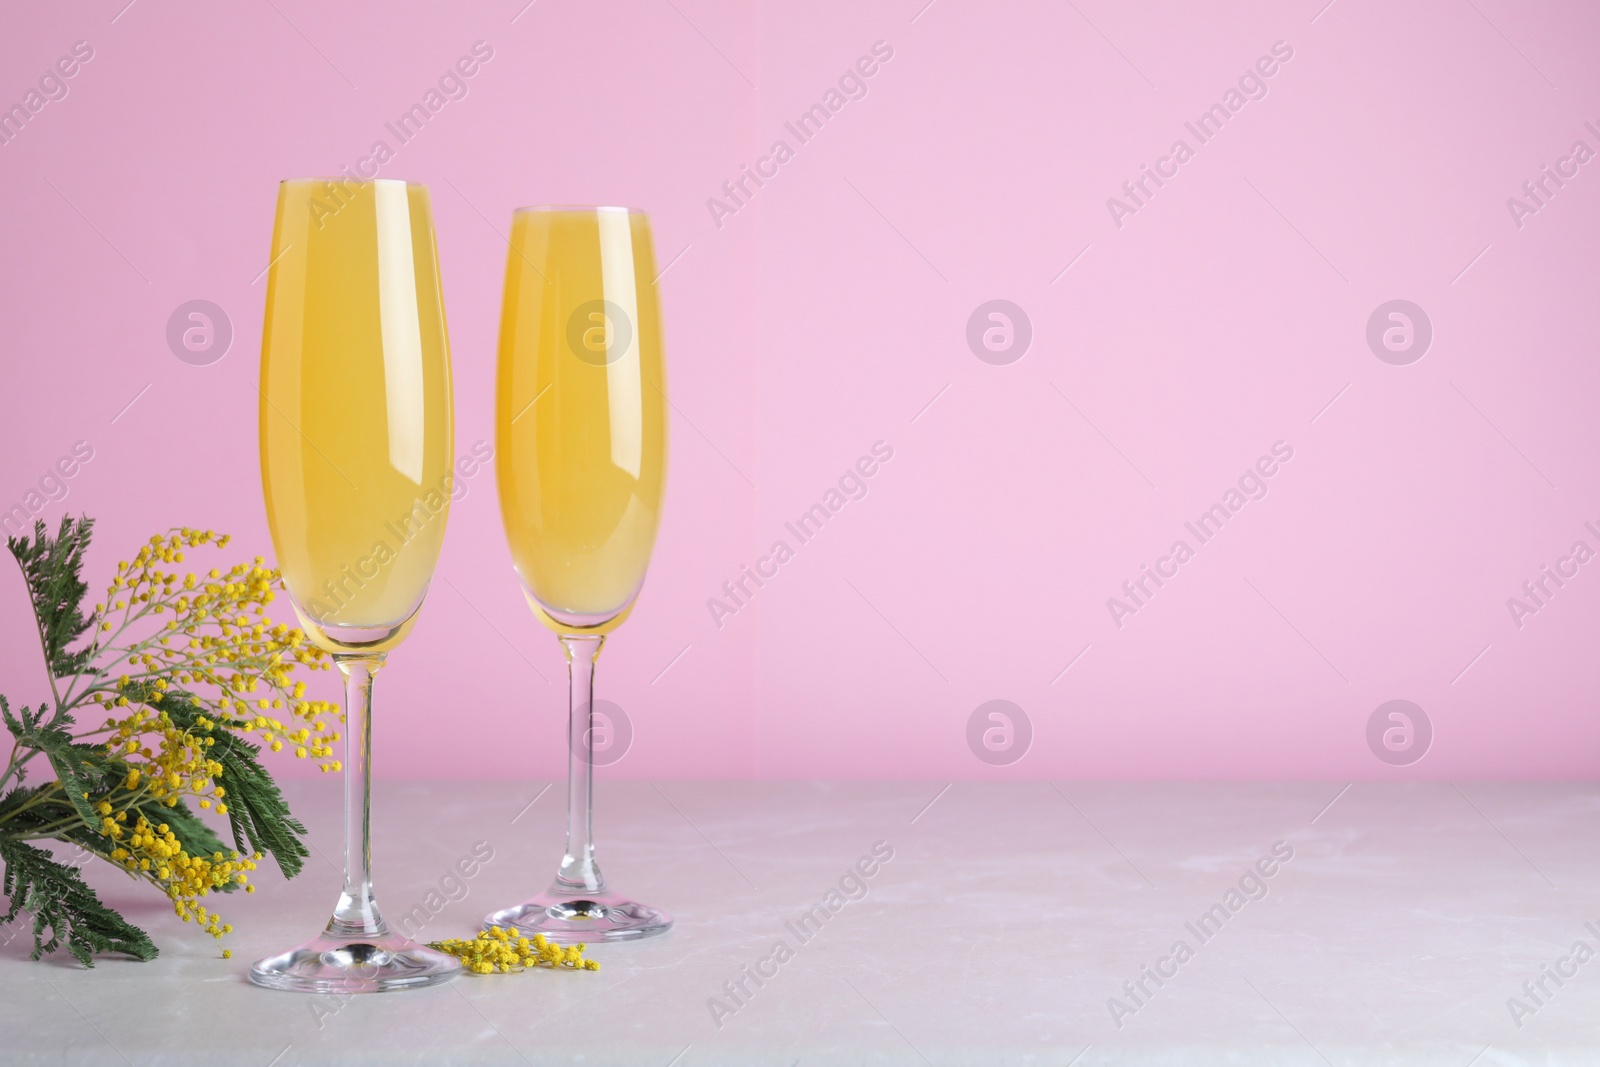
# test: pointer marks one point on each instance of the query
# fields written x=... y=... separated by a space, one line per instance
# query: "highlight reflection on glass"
x=356 y=454
x=581 y=455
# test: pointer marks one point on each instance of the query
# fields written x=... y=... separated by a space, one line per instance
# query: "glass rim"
x=576 y=209
x=351 y=181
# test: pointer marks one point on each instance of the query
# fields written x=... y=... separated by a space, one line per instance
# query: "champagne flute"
x=581 y=456
x=356 y=455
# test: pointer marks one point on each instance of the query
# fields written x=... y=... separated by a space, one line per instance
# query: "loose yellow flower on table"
x=502 y=951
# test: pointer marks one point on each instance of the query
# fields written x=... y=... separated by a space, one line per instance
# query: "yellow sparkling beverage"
x=580 y=412
x=356 y=436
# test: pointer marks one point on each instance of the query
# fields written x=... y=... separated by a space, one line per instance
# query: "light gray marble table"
x=1008 y=918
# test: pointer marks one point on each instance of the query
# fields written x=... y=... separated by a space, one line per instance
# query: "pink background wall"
x=1222 y=316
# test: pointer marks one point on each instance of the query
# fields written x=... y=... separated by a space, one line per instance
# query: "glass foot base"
x=593 y=919
x=329 y=964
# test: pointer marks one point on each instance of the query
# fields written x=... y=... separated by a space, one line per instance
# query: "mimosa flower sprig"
x=186 y=667
x=502 y=951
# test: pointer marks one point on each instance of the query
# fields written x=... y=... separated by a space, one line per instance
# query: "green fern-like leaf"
x=64 y=907
x=82 y=769
x=53 y=569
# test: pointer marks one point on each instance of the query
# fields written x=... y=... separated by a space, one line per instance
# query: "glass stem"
x=579 y=873
x=357 y=913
